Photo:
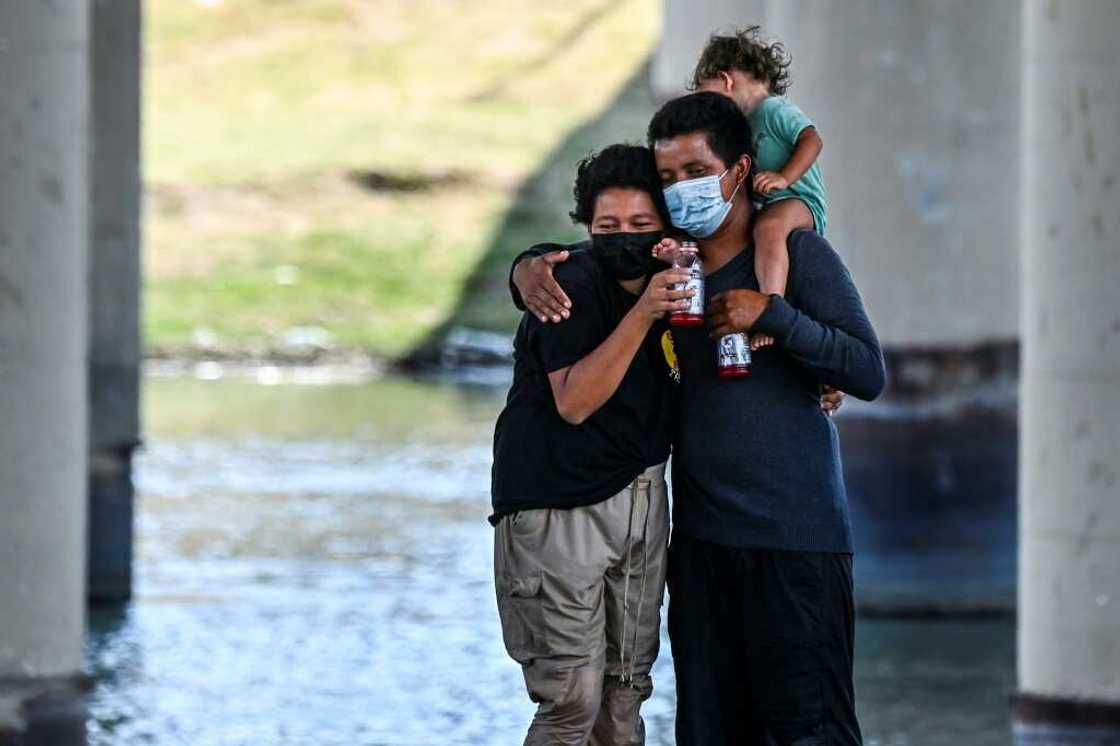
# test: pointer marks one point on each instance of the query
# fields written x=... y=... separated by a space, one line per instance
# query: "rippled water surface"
x=314 y=568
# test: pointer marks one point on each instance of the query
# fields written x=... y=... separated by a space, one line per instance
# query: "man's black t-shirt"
x=541 y=461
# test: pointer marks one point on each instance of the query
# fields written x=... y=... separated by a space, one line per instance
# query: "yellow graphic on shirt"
x=671 y=356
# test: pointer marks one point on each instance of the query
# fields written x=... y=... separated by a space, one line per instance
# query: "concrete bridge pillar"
x=114 y=281
x=44 y=195
x=1069 y=571
x=918 y=106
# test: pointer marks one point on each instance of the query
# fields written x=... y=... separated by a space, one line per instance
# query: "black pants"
x=762 y=646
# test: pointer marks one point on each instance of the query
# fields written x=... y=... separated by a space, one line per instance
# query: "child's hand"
x=768 y=181
x=667 y=250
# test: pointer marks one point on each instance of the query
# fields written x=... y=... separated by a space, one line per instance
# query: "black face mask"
x=626 y=256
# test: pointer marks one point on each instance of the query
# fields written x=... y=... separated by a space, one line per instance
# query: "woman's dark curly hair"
x=747 y=51
x=625 y=166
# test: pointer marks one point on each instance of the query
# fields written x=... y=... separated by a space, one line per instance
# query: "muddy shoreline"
x=462 y=354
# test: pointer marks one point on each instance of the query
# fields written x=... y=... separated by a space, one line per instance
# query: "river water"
x=313 y=567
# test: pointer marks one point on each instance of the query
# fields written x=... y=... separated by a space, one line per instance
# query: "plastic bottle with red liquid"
x=734 y=355
x=689 y=258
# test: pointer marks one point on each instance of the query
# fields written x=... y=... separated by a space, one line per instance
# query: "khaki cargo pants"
x=579 y=596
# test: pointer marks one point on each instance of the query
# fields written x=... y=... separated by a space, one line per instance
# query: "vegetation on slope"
x=337 y=172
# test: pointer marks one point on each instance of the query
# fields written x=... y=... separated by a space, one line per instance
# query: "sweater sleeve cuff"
x=778 y=318
x=514 y=293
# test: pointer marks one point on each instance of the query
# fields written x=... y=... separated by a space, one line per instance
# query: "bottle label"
x=695 y=282
x=734 y=350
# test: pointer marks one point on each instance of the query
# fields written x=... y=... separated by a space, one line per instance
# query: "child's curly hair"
x=744 y=50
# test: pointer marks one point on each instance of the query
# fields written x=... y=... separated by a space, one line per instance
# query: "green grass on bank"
x=365 y=167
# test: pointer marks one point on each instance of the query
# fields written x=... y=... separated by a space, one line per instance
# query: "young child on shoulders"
x=787 y=181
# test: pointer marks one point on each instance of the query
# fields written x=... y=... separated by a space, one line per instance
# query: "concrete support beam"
x=44 y=193
x=917 y=103
x=114 y=281
x=1069 y=578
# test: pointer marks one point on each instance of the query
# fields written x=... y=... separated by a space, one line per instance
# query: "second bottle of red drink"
x=733 y=355
x=689 y=258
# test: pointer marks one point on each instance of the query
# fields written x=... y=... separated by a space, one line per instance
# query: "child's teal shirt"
x=775 y=126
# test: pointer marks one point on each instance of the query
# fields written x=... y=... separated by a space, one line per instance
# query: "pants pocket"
x=525 y=523
x=522 y=613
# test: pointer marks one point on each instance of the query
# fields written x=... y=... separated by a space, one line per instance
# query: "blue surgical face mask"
x=697 y=206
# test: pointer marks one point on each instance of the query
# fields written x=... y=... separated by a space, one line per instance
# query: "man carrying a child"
x=761 y=613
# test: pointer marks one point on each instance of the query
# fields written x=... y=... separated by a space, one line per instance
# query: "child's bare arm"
x=805 y=153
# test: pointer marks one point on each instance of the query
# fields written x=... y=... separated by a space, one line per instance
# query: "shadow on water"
x=539 y=212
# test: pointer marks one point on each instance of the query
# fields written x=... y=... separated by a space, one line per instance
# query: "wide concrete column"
x=44 y=193
x=918 y=106
x=114 y=281
x=1069 y=579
